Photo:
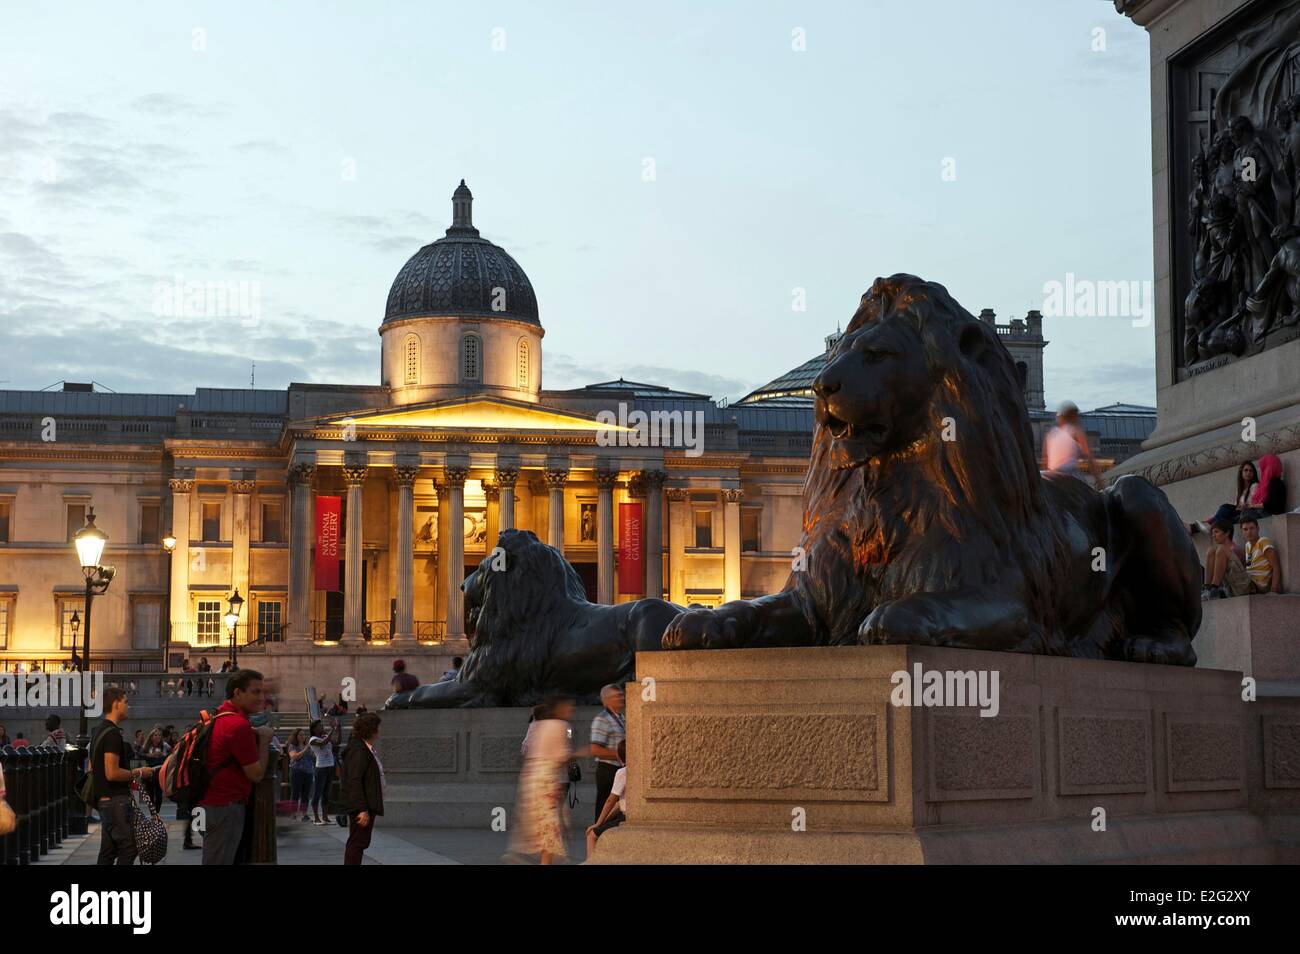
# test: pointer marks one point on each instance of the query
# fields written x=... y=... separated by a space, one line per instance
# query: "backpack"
x=85 y=785
x=185 y=775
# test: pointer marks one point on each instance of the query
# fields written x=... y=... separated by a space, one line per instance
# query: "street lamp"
x=169 y=545
x=232 y=620
x=75 y=625
x=90 y=542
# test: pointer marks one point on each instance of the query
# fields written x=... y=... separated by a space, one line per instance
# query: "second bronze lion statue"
x=926 y=519
x=533 y=633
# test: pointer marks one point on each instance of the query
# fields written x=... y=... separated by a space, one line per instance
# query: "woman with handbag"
x=541 y=826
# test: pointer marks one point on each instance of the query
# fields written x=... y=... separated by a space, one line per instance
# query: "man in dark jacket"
x=362 y=785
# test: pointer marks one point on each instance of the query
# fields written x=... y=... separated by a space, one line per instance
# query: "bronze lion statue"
x=533 y=633
x=926 y=519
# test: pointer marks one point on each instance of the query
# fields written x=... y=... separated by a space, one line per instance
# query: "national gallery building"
x=347 y=516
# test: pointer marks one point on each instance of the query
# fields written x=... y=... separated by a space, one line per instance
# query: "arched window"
x=1022 y=373
x=471 y=357
x=523 y=364
x=411 y=359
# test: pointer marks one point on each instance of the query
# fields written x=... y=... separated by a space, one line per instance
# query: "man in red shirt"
x=236 y=759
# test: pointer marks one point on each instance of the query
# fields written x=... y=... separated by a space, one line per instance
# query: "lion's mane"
x=976 y=500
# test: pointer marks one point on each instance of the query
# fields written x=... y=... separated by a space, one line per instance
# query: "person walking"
x=236 y=759
x=109 y=764
x=322 y=747
x=302 y=771
x=362 y=786
x=607 y=731
x=542 y=827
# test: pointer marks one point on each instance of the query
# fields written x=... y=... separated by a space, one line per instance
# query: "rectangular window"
x=272 y=527
x=269 y=614
x=150 y=521
x=211 y=522
x=6 y=612
x=208 y=628
x=146 y=621
x=749 y=524
x=6 y=510
x=76 y=519
x=67 y=637
x=703 y=529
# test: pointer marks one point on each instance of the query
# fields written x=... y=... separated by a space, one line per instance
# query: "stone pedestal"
x=800 y=756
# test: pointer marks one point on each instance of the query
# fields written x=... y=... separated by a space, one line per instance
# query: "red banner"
x=329 y=530
x=631 y=567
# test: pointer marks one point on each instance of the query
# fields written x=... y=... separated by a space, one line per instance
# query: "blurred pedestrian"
x=362 y=786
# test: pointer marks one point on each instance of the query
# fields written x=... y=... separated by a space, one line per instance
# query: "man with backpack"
x=111 y=782
x=235 y=759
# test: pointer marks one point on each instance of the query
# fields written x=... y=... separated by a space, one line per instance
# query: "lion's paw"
x=700 y=629
x=1170 y=652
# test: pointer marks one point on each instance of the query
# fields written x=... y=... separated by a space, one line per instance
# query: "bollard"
x=58 y=777
x=43 y=760
x=9 y=843
x=22 y=806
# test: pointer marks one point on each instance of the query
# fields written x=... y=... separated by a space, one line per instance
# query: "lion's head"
x=521 y=596
x=920 y=429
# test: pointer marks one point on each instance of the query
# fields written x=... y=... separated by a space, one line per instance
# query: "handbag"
x=150 y=830
x=8 y=820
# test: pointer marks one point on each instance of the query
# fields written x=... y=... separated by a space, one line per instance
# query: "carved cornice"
x=1217 y=456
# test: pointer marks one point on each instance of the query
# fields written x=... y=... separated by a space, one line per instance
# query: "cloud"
x=169 y=106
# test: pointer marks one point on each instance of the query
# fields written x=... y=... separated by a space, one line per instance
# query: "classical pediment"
x=474 y=414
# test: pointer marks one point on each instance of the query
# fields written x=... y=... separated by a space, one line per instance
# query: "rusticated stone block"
x=500 y=753
x=1103 y=754
x=969 y=757
x=411 y=754
x=769 y=752
x=1202 y=754
x=1281 y=753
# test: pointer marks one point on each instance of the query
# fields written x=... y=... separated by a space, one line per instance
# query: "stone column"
x=241 y=528
x=301 y=532
x=731 y=543
x=678 y=528
x=506 y=476
x=605 y=480
x=556 y=477
x=354 y=610
x=455 y=549
x=536 y=501
x=654 y=533
x=404 y=624
x=182 y=490
x=492 y=493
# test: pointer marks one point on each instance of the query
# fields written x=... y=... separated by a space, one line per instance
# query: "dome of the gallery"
x=462 y=274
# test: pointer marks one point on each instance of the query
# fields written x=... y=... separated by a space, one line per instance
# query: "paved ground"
x=306 y=844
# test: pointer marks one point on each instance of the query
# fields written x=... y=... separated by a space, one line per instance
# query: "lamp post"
x=75 y=624
x=169 y=545
x=232 y=620
x=90 y=542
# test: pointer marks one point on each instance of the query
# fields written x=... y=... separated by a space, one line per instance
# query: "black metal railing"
x=105 y=664
x=379 y=630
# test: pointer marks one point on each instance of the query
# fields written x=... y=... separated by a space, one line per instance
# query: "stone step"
x=1259 y=635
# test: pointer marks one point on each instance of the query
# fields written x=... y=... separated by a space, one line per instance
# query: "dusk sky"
x=310 y=148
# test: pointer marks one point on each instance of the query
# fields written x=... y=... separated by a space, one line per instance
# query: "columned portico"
x=354 y=610
x=506 y=477
x=454 y=546
x=181 y=489
x=605 y=480
x=731 y=543
x=654 y=533
x=557 y=475
x=404 y=625
x=300 y=568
